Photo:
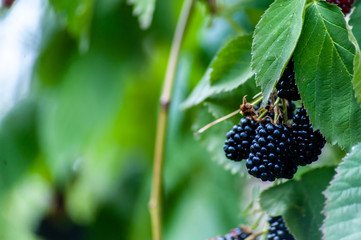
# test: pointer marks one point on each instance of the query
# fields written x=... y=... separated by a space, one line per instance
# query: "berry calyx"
x=345 y=5
x=286 y=86
x=307 y=143
x=239 y=139
x=278 y=229
x=271 y=155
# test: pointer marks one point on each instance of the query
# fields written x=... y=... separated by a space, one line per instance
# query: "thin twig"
x=155 y=205
x=255 y=235
x=217 y=121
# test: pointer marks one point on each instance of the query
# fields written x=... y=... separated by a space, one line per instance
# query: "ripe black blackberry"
x=234 y=234
x=345 y=5
x=239 y=139
x=307 y=143
x=278 y=229
x=271 y=155
x=286 y=86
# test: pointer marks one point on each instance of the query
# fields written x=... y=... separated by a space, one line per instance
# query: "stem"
x=285 y=110
x=255 y=102
x=155 y=206
x=276 y=110
x=255 y=235
x=257 y=95
x=263 y=114
x=235 y=26
x=217 y=121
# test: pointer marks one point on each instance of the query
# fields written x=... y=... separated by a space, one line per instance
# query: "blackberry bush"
x=286 y=86
x=271 y=155
x=239 y=139
x=278 y=230
x=345 y=5
x=307 y=143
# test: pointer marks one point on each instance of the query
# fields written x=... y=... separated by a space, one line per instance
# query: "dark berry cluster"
x=307 y=143
x=239 y=140
x=234 y=234
x=345 y=5
x=278 y=229
x=286 y=86
x=271 y=155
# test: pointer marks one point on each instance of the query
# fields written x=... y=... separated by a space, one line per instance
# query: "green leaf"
x=275 y=39
x=233 y=63
x=144 y=10
x=229 y=69
x=343 y=206
x=300 y=202
x=323 y=66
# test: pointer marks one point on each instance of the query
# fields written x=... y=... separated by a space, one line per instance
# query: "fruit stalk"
x=155 y=206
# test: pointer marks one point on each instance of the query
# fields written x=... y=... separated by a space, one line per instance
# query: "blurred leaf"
x=324 y=80
x=275 y=39
x=300 y=202
x=19 y=144
x=232 y=64
x=23 y=206
x=144 y=10
x=224 y=74
x=78 y=15
x=342 y=208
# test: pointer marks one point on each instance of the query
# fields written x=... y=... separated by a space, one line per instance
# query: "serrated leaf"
x=233 y=63
x=144 y=9
x=300 y=202
x=343 y=206
x=229 y=74
x=355 y=37
x=324 y=66
x=275 y=38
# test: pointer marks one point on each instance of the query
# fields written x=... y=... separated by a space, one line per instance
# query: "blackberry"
x=278 y=229
x=286 y=86
x=345 y=5
x=307 y=143
x=239 y=139
x=234 y=234
x=271 y=155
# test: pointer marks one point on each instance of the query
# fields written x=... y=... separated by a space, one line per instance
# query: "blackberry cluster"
x=271 y=154
x=345 y=5
x=234 y=234
x=278 y=229
x=286 y=86
x=307 y=143
x=239 y=139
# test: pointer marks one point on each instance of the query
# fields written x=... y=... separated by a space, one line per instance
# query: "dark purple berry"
x=239 y=139
x=234 y=234
x=307 y=143
x=286 y=86
x=278 y=230
x=271 y=154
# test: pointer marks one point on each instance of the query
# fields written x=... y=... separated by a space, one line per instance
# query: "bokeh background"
x=80 y=83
